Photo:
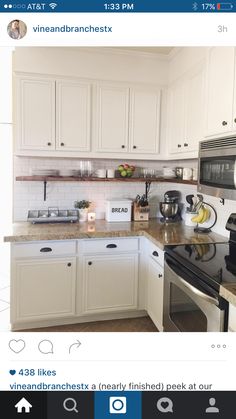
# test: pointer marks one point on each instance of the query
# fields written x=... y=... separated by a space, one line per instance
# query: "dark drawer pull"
x=89 y=263
x=69 y=264
x=224 y=123
x=160 y=275
x=155 y=253
x=111 y=246
x=46 y=249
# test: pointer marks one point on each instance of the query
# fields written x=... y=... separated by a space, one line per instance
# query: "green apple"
x=123 y=173
x=121 y=168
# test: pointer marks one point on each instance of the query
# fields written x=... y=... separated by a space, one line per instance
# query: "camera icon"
x=117 y=405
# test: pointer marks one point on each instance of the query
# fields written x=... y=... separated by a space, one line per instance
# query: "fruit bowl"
x=125 y=170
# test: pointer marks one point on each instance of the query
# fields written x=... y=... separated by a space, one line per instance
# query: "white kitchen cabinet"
x=128 y=119
x=43 y=289
x=52 y=115
x=35 y=113
x=155 y=286
x=220 y=91
x=232 y=318
x=186 y=113
x=112 y=118
x=110 y=283
x=73 y=116
x=145 y=107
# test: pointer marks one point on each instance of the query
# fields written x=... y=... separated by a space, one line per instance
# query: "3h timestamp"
x=125 y=7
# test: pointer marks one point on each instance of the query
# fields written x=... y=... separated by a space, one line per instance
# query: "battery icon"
x=224 y=6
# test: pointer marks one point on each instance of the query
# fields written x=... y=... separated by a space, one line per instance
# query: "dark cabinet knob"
x=62 y=144
x=155 y=253
x=69 y=264
x=89 y=263
x=111 y=246
x=224 y=123
x=134 y=146
x=45 y=249
x=179 y=146
x=185 y=144
x=123 y=146
x=160 y=275
x=235 y=120
x=49 y=143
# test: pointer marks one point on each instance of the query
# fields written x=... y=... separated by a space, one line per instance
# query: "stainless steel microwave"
x=217 y=167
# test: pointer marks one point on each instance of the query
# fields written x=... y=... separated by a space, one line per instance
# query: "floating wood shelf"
x=95 y=179
x=46 y=179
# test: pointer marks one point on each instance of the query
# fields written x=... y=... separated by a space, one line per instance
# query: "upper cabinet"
x=186 y=113
x=128 y=119
x=52 y=114
x=220 y=92
x=112 y=118
x=35 y=113
x=144 y=130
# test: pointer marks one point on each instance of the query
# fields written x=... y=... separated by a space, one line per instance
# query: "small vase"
x=83 y=214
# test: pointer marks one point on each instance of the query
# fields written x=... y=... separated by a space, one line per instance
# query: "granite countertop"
x=159 y=233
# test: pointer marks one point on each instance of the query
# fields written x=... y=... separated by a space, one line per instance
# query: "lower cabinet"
x=155 y=283
x=43 y=289
x=110 y=283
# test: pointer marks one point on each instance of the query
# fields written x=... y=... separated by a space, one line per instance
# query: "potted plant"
x=82 y=207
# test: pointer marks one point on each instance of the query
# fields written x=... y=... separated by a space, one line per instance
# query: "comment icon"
x=165 y=405
x=45 y=347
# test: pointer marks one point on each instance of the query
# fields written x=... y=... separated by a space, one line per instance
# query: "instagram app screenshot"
x=118 y=209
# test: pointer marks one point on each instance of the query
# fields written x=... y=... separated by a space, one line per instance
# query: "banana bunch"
x=202 y=216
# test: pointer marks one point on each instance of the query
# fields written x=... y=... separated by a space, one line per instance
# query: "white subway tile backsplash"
x=29 y=195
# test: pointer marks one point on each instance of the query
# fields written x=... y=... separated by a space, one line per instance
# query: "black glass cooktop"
x=216 y=263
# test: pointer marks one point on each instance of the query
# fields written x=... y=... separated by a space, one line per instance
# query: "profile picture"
x=16 y=29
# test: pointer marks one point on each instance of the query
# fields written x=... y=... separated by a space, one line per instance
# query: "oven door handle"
x=199 y=293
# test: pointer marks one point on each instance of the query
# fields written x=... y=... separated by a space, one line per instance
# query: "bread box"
x=118 y=210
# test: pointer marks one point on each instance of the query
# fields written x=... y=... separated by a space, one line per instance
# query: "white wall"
x=95 y=63
x=183 y=59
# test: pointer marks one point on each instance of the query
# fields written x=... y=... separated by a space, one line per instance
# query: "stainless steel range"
x=193 y=275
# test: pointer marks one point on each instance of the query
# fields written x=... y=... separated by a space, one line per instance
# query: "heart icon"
x=16 y=345
x=12 y=372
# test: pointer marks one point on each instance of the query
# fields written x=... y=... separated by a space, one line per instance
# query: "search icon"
x=72 y=405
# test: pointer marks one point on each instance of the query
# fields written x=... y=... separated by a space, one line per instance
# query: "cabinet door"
x=43 y=289
x=155 y=293
x=73 y=115
x=112 y=118
x=110 y=283
x=194 y=118
x=35 y=113
x=176 y=117
x=144 y=121
x=220 y=88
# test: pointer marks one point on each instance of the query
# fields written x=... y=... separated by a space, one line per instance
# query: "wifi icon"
x=53 y=5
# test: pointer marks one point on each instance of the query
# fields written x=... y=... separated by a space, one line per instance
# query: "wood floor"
x=140 y=324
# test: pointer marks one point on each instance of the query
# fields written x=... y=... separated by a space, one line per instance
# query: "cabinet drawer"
x=232 y=318
x=109 y=246
x=43 y=249
x=156 y=254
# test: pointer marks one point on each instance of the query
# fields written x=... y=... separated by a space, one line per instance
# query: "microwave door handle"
x=199 y=293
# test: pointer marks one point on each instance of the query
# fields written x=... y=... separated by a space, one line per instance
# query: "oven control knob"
x=234 y=221
x=231 y=220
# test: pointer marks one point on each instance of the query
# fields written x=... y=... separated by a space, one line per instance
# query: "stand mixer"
x=170 y=207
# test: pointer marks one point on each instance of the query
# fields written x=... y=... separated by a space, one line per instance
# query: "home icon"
x=23 y=406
